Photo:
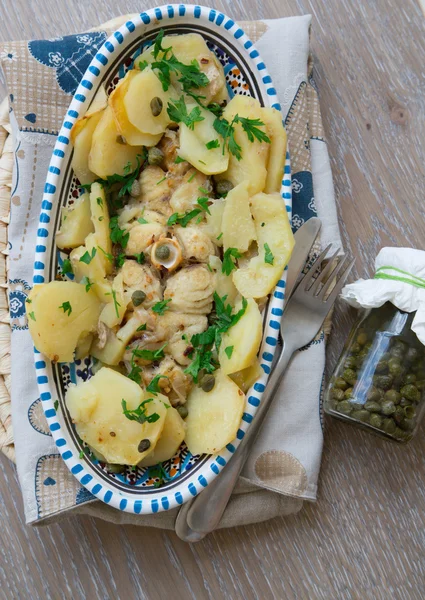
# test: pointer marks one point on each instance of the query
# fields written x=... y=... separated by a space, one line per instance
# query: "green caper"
x=337 y=394
x=356 y=405
x=410 y=411
x=344 y=407
x=155 y=156
x=372 y=407
x=383 y=381
x=411 y=392
x=409 y=378
x=393 y=396
x=402 y=435
x=405 y=402
x=350 y=376
x=389 y=425
x=355 y=348
x=394 y=366
x=223 y=187
x=398 y=415
x=208 y=382
x=373 y=394
x=375 y=420
x=362 y=339
x=340 y=383
x=388 y=407
x=120 y=140
x=156 y=106
x=183 y=412
x=348 y=393
x=361 y=415
x=420 y=384
x=162 y=252
x=412 y=354
x=144 y=445
x=407 y=424
x=396 y=353
x=382 y=366
x=350 y=362
x=138 y=297
x=115 y=468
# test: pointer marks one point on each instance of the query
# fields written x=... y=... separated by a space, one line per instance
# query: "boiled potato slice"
x=193 y=144
x=131 y=134
x=212 y=227
x=224 y=285
x=258 y=278
x=83 y=347
x=237 y=225
x=81 y=137
x=142 y=88
x=277 y=134
x=113 y=313
x=99 y=102
x=100 y=220
x=214 y=417
x=76 y=224
x=187 y=48
x=96 y=409
x=247 y=377
x=244 y=338
x=112 y=352
x=255 y=155
x=54 y=330
x=171 y=437
x=107 y=155
x=95 y=271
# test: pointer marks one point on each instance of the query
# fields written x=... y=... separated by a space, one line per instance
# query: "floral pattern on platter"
x=18 y=292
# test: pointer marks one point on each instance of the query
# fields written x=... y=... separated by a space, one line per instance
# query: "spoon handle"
x=206 y=510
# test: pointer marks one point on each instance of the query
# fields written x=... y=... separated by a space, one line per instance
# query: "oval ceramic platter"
x=146 y=490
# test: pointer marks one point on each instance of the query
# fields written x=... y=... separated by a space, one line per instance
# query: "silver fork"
x=303 y=317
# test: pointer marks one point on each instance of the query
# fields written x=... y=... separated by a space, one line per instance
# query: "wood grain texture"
x=364 y=538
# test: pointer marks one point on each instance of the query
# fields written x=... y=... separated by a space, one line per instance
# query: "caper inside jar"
x=379 y=381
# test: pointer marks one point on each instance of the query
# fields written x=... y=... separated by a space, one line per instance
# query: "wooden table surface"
x=365 y=536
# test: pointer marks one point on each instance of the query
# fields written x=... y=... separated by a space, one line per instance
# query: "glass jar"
x=379 y=381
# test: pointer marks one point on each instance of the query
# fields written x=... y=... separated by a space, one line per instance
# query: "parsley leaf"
x=118 y=235
x=107 y=255
x=142 y=221
x=99 y=201
x=183 y=220
x=32 y=315
x=88 y=257
x=161 y=307
x=140 y=258
x=56 y=404
x=119 y=260
x=229 y=351
x=66 y=307
x=139 y=413
x=252 y=129
x=135 y=373
x=142 y=327
x=203 y=203
x=66 y=267
x=219 y=236
x=86 y=281
x=150 y=354
x=157 y=47
x=116 y=303
x=153 y=387
x=229 y=260
x=143 y=64
x=215 y=108
x=227 y=132
x=212 y=144
x=177 y=111
x=268 y=257
x=179 y=160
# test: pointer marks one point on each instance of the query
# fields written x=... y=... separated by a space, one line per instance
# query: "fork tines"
x=318 y=281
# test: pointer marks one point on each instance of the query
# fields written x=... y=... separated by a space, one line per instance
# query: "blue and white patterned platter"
x=156 y=488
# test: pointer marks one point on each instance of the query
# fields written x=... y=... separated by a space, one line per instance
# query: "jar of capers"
x=379 y=381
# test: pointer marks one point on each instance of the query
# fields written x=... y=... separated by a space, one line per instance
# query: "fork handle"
x=206 y=510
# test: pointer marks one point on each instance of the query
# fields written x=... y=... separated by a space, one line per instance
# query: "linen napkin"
x=41 y=76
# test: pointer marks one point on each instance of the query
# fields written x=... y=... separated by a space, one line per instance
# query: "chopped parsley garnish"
x=202 y=162
x=158 y=472
x=219 y=236
x=229 y=260
x=227 y=130
x=209 y=268
x=66 y=267
x=177 y=111
x=229 y=351
x=150 y=354
x=32 y=315
x=119 y=260
x=66 y=307
x=212 y=144
x=143 y=64
x=161 y=307
x=140 y=258
x=268 y=257
x=142 y=220
x=135 y=373
x=161 y=180
x=81 y=454
x=118 y=235
x=184 y=219
x=86 y=281
x=203 y=203
x=88 y=257
x=192 y=177
x=153 y=387
x=99 y=201
x=215 y=108
x=252 y=129
x=107 y=255
x=179 y=160
x=141 y=327
x=139 y=414
x=56 y=404
x=28 y=300
x=116 y=303
x=203 y=190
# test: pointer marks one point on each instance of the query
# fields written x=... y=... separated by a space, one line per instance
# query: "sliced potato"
x=258 y=278
x=187 y=48
x=113 y=313
x=112 y=352
x=76 y=224
x=244 y=338
x=117 y=101
x=224 y=284
x=214 y=417
x=81 y=137
x=277 y=156
x=107 y=155
x=255 y=155
x=56 y=329
x=193 y=144
x=93 y=272
x=83 y=347
x=214 y=220
x=247 y=377
x=100 y=220
x=169 y=442
x=96 y=409
x=99 y=102
x=237 y=225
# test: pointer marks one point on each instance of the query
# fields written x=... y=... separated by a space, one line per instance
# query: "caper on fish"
x=138 y=297
x=162 y=252
x=223 y=187
x=183 y=412
x=155 y=156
